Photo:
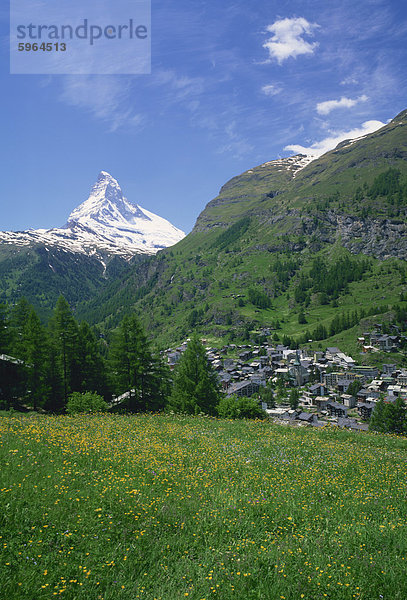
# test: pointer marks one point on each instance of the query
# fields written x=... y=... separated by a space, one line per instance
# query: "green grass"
x=172 y=507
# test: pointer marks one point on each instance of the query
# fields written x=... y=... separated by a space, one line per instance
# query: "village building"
x=336 y=409
x=321 y=402
x=297 y=372
x=330 y=353
x=402 y=378
x=348 y=400
x=244 y=388
x=352 y=424
x=365 y=410
x=368 y=373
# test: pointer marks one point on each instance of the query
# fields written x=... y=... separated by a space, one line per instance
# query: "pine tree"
x=294 y=399
x=389 y=417
x=155 y=384
x=131 y=360
x=65 y=338
x=267 y=395
x=11 y=374
x=354 y=387
x=18 y=321
x=4 y=336
x=377 y=422
x=54 y=396
x=196 y=386
x=301 y=318
x=395 y=417
x=35 y=355
x=92 y=368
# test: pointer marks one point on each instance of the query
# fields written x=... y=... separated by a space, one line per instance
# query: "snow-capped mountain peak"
x=105 y=223
x=106 y=204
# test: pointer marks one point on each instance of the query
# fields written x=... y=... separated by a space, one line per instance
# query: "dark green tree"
x=314 y=375
x=64 y=335
x=4 y=330
x=395 y=417
x=354 y=387
x=12 y=373
x=18 y=322
x=135 y=370
x=156 y=383
x=35 y=357
x=54 y=396
x=92 y=368
x=389 y=417
x=29 y=345
x=281 y=391
x=196 y=387
x=377 y=420
x=267 y=395
x=301 y=318
x=294 y=398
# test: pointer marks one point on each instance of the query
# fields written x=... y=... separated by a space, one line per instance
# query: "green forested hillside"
x=41 y=274
x=308 y=252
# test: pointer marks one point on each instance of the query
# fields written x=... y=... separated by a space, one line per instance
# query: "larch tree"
x=92 y=368
x=35 y=356
x=196 y=387
x=64 y=334
x=130 y=359
x=4 y=336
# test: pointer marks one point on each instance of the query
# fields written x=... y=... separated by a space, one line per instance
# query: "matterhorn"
x=104 y=224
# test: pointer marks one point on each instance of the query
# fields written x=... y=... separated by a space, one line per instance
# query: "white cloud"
x=179 y=87
x=329 y=143
x=112 y=99
x=271 y=90
x=287 y=39
x=349 y=81
x=324 y=108
x=105 y=97
x=233 y=142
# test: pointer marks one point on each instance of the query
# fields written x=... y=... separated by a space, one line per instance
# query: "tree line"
x=44 y=365
x=66 y=364
x=329 y=280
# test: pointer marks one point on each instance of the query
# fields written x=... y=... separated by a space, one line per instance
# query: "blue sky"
x=233 y=84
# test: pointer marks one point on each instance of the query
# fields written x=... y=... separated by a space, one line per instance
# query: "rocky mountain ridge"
x=106 y=224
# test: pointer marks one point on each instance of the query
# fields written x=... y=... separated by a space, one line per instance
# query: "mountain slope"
x=250 y=260
x=101 y=239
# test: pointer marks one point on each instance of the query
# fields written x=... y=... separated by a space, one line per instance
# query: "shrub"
x=239 y=408
x=87 y=402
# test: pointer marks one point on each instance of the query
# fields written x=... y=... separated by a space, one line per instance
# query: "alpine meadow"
x=162 y=507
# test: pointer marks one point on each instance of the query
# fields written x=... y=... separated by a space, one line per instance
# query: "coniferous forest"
x=43 y=365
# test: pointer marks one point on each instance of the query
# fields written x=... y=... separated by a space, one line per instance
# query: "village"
x=331 y=386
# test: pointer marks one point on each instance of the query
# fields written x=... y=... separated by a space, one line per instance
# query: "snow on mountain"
x=291 y=163
x=106 y=223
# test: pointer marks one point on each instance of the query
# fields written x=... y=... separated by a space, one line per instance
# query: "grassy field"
x=171 y=507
